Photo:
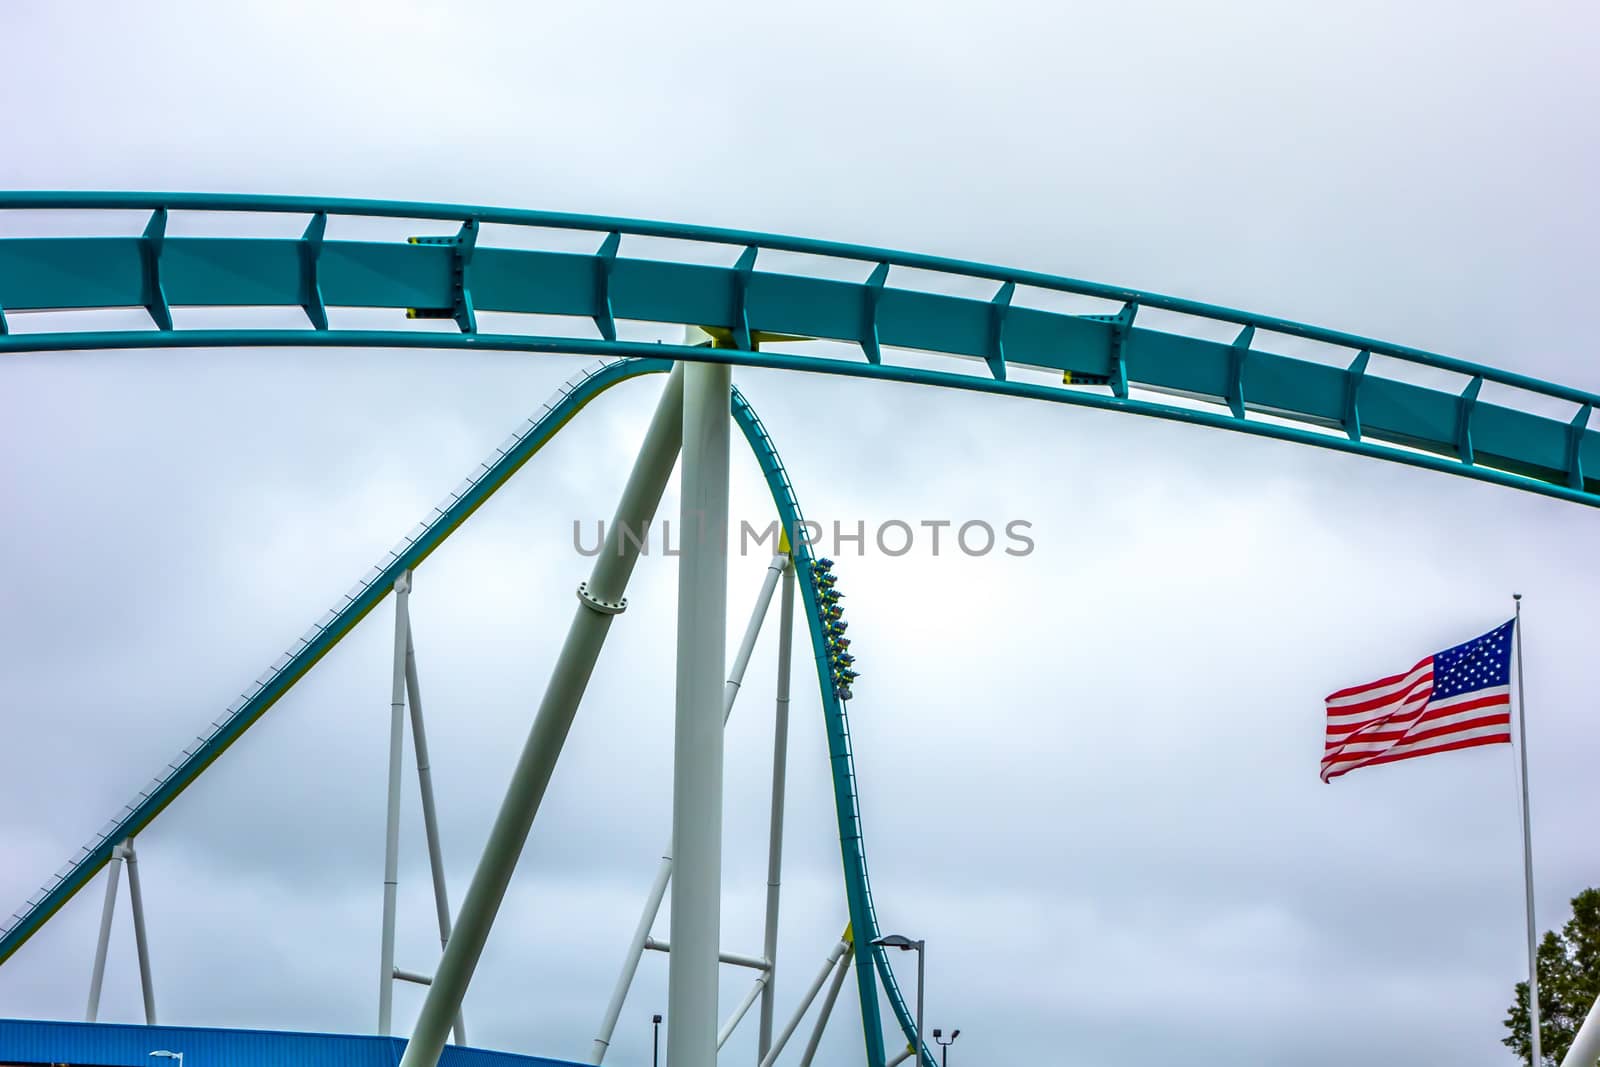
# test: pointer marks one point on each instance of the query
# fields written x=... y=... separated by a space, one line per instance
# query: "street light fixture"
x=944 y=1046
x=905 y=944
x=164 y=1054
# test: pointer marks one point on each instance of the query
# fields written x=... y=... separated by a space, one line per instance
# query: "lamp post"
x=655 y=1055
x=164 y=1054
x=944 y=1046
x=905 y=944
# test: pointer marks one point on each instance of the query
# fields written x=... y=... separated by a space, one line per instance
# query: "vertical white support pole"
x=1534 y=1026
x=391 y=840
x=430 y=817
x=599 y=600
x=658 y=888
x=780 y=758
x=827 y=1007
x=697 y=743
x=108 y=911
x=141 y=943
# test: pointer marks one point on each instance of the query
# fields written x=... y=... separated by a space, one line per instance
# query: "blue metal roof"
x=28 y=1041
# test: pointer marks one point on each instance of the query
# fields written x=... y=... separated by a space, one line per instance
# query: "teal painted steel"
x=459 y=276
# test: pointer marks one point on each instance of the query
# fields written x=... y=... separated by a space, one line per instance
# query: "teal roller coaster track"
x=1106 y=361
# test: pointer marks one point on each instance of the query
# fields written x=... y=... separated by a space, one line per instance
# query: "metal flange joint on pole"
x=574 y=665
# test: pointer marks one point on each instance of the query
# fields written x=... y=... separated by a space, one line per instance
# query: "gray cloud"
x=1088 y=776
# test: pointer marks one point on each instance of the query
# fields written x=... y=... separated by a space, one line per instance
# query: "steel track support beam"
x=141 y=942
x=826 y=1010
x=108 y=911
x=391 y=838
x=697 y=742
x=742 y=1010
x=832 y=961
x=430 y=816
x=599 y=600
x=658 y=888
x=780 y=759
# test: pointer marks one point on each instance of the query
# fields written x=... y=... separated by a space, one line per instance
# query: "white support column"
x=391 y=840
x=805 y=1003
x=739 y=1013
x=599 y=600
x=826 y=1010
x=658 y=888
x=140 y=941
x=697 y=743
x=108 y=911
x=905 y=1054
x=430 y=817
x=780 y=758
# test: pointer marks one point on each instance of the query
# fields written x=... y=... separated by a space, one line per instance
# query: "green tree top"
x=1569 y=983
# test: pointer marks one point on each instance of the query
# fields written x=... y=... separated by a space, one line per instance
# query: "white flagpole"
x=1527 y=851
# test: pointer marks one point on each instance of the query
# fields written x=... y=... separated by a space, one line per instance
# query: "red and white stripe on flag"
x=1417 y=714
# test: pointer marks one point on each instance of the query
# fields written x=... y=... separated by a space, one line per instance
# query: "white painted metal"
x=839 y=975
x=658 y=888
x=630 y=964
x=140 y=941
x=430 y=816
x=754 y=963
x=599 y=600
x=697 y=757
x=739 y=1013
x=1534 y=1028
x=108 y=911
x=905 y=1054
x=780 y=760
x=1585 y=1050
x=805 y=1003
x=391 y=840
x=412 y=976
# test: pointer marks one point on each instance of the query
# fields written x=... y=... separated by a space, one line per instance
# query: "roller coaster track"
x=1104 y=361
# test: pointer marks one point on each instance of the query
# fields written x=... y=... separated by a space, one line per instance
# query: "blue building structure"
x=30 y=1043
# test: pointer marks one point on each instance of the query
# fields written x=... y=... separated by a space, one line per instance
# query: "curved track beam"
x=456 y=273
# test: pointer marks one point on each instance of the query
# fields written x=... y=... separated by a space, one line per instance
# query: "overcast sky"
x=1089 y=776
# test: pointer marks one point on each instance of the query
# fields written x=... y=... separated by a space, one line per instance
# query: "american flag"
x=1458 y=698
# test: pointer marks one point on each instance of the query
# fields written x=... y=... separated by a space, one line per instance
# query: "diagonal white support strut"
x=600 y=599
x=658 y=887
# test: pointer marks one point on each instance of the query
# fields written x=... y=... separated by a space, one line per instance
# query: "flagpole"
x=1527 y=851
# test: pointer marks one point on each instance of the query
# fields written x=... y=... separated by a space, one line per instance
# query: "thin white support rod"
x=739 y=1013
x=630 y=963
x=108 y=911
x=780 y=760
x=1585 y=1050
x=430 y=817
x=905 y=1054
x=391 y=839
x=805 y=1003
x=839 y=975
x=599 y=600
x=140 y=941
x=658 y=888
x=413 y=977
x=697 y=750
x=754 y=963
